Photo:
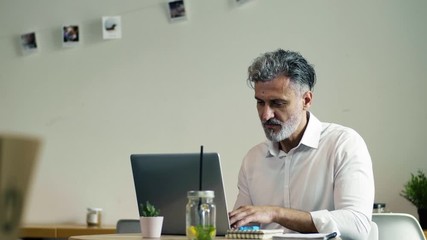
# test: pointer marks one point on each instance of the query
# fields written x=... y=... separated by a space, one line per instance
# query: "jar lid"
x=206 y=194
x=94 y=209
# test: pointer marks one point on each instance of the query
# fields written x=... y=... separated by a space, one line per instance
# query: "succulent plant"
x=148 y=210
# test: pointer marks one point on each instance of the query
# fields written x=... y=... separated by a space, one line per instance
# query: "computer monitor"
x=165 y=179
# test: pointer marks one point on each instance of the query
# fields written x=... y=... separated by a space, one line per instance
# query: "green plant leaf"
x=415 y=190
x=148 y=210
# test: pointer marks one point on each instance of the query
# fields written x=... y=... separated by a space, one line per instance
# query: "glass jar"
x=379 y=208
x=201 y=215
x=93 y=217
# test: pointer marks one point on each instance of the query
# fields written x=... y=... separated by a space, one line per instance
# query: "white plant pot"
x=151 y=227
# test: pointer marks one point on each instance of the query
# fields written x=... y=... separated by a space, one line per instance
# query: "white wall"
x=172 y=87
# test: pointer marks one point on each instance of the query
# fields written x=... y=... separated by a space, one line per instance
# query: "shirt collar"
x=310 y=138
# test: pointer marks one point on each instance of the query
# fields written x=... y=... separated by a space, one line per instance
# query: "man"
x=308 y=176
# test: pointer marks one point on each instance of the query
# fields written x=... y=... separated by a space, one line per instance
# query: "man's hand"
x=289 y=218
x=247 y=214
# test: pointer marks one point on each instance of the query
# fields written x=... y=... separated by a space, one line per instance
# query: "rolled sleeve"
x=324 y=222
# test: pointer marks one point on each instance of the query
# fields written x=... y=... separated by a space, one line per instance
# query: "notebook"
x=253 y=234
x=165 y=179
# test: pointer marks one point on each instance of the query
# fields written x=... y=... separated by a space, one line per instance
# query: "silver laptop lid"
x=165 y=179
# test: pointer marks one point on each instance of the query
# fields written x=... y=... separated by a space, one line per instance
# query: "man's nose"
x=266 y=113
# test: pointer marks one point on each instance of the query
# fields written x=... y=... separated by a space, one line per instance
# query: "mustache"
x=272 y=121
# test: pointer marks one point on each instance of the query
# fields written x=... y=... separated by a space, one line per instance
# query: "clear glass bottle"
x=201 y=215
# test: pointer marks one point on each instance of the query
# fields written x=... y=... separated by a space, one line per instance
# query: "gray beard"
x=287 y=128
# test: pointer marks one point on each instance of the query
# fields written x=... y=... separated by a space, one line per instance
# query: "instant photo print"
x=28 y=43
x=177 y=10
x=241 y=2
x=70 y=35
x=111 y=27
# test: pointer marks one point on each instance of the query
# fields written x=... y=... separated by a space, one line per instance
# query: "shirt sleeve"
x=243 y=197
x=353 y=190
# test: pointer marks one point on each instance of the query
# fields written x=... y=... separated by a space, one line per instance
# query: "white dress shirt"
x=328 y=174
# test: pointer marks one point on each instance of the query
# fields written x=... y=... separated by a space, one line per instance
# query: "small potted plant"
x=150 y=221
x=415 y=191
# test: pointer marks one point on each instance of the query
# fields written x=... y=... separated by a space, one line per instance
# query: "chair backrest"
x=128 y=226
x=398 y=226
x=373 y=234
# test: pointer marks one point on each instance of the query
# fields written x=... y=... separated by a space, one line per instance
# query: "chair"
x=128 y=226
x=398 y=226
x=373 y=234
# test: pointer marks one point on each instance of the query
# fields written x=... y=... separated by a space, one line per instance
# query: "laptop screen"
x=165 y=179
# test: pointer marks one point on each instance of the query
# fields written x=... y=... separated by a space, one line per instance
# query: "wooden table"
x=126 y=236
x=133 y=236
x=62 y=231
x=425 y=232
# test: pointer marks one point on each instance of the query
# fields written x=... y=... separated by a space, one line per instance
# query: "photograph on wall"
x=28 y=43
x=240 y=2
x=111 y=27
x=177 y=11
x=70 y=35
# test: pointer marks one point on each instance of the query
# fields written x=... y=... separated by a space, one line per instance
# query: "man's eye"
x=278 y=104
x=260 y=103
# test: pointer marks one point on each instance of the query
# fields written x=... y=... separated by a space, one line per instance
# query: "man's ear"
x=307 y=99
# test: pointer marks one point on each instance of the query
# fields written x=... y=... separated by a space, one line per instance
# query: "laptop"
x=165 y=179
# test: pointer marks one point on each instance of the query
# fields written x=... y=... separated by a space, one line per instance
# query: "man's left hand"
x=250 y=214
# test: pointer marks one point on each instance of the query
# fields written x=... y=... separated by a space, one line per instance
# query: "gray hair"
x=290 y=64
